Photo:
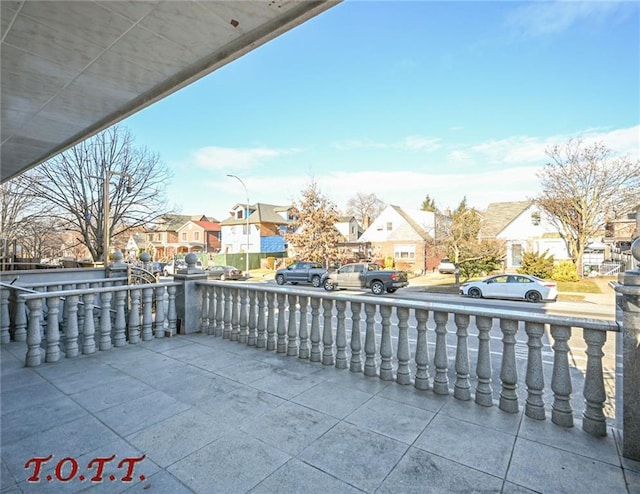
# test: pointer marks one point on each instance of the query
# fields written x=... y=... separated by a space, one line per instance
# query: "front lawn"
x=582 y=286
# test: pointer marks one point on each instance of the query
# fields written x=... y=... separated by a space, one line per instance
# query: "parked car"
x=157 y=268
x=512 y=286
x=301 y=272
x=365 y=275
x=224 y=273
x=446 y=267
x=172 y=267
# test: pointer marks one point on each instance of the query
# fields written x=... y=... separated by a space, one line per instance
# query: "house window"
x=404 y=251
x=535 y=218
x=151 y=237
x=516 y=254
x=184 y=236
x=389 y=226
x=196 y=235
x=239 y=215
x=379 y=227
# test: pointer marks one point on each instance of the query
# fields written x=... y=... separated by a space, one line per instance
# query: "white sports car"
x=512 y=286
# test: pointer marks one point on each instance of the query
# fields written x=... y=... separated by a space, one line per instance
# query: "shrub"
x=565 y=271
x=537 y=264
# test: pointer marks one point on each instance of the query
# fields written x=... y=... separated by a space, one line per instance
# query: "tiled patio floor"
x=214 y=416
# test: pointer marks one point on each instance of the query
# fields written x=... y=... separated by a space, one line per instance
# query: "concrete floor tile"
x=391 y=418
x=547 y=469
x=421 y=472
x=290 y=427
x=140 y=413
x=286 y=386
x=160 y=483
x=246 y=371
x=491 y=417
x=18 y=378
x=295 y=477
x=472 y=445
x=111 y=392
x=173 y=439
x=409 y=395
x=214 y=360
x=187 y=352
x=358 y=457
x=333 y=399
x=196 y=386
x=28 y=396
x=85 y=379
x=233 y=463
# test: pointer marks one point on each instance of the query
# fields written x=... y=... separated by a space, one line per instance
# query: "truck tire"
x=377 y=287
x=280 y=279
x=315 y=281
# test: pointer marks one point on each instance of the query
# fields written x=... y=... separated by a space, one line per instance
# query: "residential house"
x=406 y=235
x=524 y=227
x=622 y=229
x=134 y=246
x=199 y=236
x=350 y=231
x=162 y=239
x=267 y=224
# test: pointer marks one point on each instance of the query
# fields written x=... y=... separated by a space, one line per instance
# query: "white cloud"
x=418 y=143
x=220 y=158
x=539 y=19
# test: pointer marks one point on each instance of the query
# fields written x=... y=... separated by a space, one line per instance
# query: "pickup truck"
x=301 y=272
x=365 y=275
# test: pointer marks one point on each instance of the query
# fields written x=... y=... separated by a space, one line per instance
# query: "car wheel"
x=377 y=287
x=315 y=281
x=329 y=286
x=533 y=296
x=391 y=290
x=475 y=293
x=280 y=279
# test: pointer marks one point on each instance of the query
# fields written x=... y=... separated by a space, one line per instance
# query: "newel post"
x=188 y=297
x=628 y=296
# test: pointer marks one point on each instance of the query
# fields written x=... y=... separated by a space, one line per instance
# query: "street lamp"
x=106 y=237
x=247 y=218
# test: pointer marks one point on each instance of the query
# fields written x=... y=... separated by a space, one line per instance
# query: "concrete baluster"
x=134 y=317
x=404 y=354
x=328 y=357
x=5 y=336
x=235 y=316
x=316 y=354
x=105 y=321
x=89 y=329
x=356 y=339
x=204 y=309
x=484 y=390
x=119 y=322
x=370 y=341
x=261 y=342
x=159 y=322
x=341 y=335
x=534 y=407
x=305 y=348
x=172 y=314
x=52 y=353
x=219 y=310
x=386 y=349
x=292 y=329
x=422 y=350
x=462 y=386
x=251 y=338
x=281 y=330
x=34 y=333
x=243 y=335
x=441 y=358
x=562 y=413
x=509 y=371
x=593 y=419
x=271 y=321
x=147 y=314
x=20 y=333
x=71 y=334
x=228 y=301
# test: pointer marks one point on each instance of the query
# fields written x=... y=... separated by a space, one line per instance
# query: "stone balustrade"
x=411 y=342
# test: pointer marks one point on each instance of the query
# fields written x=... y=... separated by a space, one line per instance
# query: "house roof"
x=499 y=215
x=208 y=226
x=406 y=215
x=261 y=213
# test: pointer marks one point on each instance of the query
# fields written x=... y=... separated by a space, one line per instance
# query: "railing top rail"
x=454 y=308
x=118 y=288
x=72 y=282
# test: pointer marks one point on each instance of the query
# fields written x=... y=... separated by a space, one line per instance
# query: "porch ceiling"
x=70 y=69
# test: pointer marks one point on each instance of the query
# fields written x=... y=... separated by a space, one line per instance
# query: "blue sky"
x=403 y=99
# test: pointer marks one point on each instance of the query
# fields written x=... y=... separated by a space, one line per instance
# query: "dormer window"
x=239 y=215
x=535 y=218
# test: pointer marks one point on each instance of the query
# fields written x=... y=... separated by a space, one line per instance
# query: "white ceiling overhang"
x=72 y=68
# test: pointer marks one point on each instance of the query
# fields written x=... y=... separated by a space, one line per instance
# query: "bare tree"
x=314 y=235
x=581 y=185
x=16 y=206
x=72 y=186
x=365 y=208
